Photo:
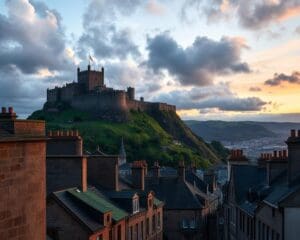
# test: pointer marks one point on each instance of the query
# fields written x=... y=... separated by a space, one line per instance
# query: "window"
x=131 y=233
x=136 y=231
x=100 y=237
x=135 y=205
x=147 y=227
x=119 y=234
x=153 y=223
x=193 y=224
x=158 y=220
x=142 y=230
x=185 y=224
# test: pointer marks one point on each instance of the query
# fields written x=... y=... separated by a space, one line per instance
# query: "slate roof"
x=194 y=179
x=76 y=202
x=252 y=177
x=124 y=198
x=246 y=177
x=176 y=193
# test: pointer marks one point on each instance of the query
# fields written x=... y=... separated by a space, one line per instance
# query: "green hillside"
x=161 y=136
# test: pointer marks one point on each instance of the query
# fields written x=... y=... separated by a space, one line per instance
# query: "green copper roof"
x=99 y=203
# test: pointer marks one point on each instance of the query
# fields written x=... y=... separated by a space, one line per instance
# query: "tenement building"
x=262 y=200
x=86 y=201
x=190 y=202
x=22 y=178
x=91 y=94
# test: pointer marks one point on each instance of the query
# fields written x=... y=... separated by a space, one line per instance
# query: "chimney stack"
x=156 y=169
x=181 y=170
x=138 y=170
x=293 y=143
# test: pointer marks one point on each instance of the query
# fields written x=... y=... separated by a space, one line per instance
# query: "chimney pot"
x=293 y=133
x=3 y=109
x=76 y=133
x=10 y=110
x=275 y=154
x=50 y=133
x=298 y=133
x=284 y=152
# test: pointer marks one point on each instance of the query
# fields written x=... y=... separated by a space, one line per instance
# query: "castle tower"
x=90 y=79
x=122 y=154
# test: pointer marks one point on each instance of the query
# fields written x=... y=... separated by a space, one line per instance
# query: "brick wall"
x=65 y=172
x=22 y=189
x=103 y=171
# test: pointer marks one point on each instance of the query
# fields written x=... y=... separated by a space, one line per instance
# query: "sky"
x=214 y=59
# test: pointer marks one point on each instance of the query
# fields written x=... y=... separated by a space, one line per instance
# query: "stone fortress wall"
x=91 y=94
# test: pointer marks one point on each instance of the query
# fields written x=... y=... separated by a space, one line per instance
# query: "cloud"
x=211 y=97
x=107 y=42
x=31 y=38
x=101 y=36
x=109 y=10
x=155 y=8
x=254 y=89
x=279 y=78
x=199 y=63
x=297 y=30
x=254 y=14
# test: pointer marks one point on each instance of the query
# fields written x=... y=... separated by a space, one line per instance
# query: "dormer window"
x=135 y=205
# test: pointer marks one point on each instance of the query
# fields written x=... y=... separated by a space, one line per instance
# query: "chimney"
x=181 y=170
x=89 y=67
x=210 y=178
x=293 y=143
x=156 y=169
x=276 y=165
x=138 y=170
x=8 y=115
x=84 y=175
x=193 y=167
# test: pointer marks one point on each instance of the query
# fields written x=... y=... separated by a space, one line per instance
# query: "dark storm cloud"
x=254 y=89
x=251 y=14
x=20 y=92
x=101 y=34
x=32 y=39
x=279 y=78
x=199 y=63
x=216 y=97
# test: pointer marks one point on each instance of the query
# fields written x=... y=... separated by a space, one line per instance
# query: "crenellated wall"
x=90 y=94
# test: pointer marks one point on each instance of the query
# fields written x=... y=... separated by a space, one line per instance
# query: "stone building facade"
x=263 y=199
x=90 y=94
x=22 y=178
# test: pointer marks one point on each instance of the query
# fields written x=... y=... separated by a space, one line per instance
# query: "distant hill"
x=160 y=135
x=231 y=131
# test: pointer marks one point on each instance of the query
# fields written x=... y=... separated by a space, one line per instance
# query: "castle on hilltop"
x=91 y=94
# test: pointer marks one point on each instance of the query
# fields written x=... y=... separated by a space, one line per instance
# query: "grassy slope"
x=146 y=137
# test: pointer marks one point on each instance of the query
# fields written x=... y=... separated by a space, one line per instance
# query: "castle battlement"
x=90 y=94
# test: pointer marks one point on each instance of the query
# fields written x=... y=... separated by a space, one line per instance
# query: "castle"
x=90 y=94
